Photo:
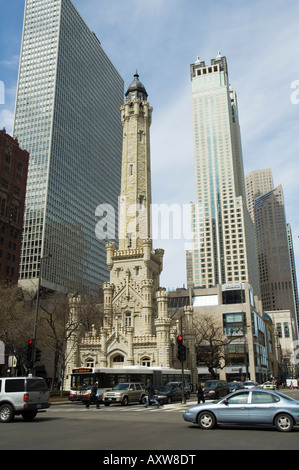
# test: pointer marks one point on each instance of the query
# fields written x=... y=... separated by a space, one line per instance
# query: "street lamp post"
x=48 y=256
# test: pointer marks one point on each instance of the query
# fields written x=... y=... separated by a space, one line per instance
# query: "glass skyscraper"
x=67 y=116
x=224 y=246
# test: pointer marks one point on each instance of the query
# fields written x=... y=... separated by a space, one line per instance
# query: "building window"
x=146 y=362
x=233 y=324
x=128 y=320
x=118 y=358
x=89 y=362
x=2 y=206
x=286 y=330
x=130 y=236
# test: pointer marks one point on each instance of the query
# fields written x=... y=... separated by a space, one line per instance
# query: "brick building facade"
x=13 y=178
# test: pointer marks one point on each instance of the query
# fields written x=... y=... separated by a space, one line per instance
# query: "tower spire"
x=135 y=217
x=136 y=90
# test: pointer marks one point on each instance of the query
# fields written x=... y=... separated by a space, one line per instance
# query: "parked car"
x=179 y=384
x=24 y=396
x=215 y=389
x=250 y=384
x=247 y=407
x=269 y=385
x=125 y=393
x=168 y=394
x=234 y=386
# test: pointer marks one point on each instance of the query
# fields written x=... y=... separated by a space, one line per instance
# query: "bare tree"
x=16 y=323
x=211 y=343
x=57 y=325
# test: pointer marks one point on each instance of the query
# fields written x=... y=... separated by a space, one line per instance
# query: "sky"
x=160 y=39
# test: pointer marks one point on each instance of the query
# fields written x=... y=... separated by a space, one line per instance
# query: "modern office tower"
x=294 y=274
x=277 y=291
x=224 y=245
x=67 y=116
x=13 y=170
x=257 y=182
x=276 y=260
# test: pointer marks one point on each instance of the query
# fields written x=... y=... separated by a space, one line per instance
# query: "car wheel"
x=6 y=413
x=107 y=404
x=284 y=422
x=125 y=401
x=206 y=420
x=29 y=416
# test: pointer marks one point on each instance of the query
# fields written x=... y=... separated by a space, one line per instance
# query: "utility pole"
x=182 y=357
x=33 y=359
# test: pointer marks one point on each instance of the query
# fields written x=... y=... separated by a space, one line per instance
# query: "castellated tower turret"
x=131 y=306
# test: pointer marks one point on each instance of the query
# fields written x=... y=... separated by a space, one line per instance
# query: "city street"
x=70 y=426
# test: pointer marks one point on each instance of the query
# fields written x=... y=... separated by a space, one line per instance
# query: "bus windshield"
x=79 y=381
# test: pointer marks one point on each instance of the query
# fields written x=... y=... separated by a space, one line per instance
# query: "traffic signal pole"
x=182 y=358
x=183 y=385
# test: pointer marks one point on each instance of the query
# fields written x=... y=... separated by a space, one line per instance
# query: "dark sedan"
x=234 y=386
x=169 y=394
x=247 y=407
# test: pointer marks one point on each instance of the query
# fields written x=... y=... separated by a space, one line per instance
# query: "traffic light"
x=37 y=355
x=181 y=349
x=29 y=351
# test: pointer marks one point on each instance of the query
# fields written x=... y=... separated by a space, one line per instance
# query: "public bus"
x=82 y=378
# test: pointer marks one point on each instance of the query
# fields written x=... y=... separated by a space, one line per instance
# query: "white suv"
x=22 y=396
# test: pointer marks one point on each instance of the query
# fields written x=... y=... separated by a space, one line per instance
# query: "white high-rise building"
x=224 y=246
x=67 y=117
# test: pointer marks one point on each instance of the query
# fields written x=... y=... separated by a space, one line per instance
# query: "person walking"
x=200 y=394
x=151 y=395
x=93 y=398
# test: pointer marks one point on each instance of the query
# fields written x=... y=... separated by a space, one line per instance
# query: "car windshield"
x=121 y=387
x=163 y=389
x=249 y=383
x=210 y=384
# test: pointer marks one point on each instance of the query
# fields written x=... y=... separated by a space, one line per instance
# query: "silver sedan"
x=247 y=407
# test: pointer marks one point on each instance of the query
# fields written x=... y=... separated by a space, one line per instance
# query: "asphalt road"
x=127 y=429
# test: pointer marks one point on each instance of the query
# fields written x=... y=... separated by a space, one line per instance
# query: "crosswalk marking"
x=68 y=407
